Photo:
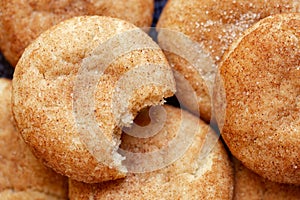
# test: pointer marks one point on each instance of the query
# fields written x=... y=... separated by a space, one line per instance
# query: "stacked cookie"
x=22 y=21
x=23 y=176
x=194 y=175
x=259 y=81
x=195 y=34
x=88 y=91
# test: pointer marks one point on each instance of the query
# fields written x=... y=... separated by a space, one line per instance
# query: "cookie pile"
x=83 y=117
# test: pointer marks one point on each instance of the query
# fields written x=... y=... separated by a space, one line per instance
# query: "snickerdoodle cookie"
x=77 y=84
x=22 y=21
x=257 y=98
x=197 y=174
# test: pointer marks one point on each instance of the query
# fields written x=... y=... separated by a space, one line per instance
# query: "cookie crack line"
x=101 y=54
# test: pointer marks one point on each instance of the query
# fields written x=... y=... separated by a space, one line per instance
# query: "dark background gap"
x=6 y=70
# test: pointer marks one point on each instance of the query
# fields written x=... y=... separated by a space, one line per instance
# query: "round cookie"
x=250 y=186
x=22 y=21
x=22 y=176
x=77 y=84
x=194 y=35
x=257 y=98
x=195 y=175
